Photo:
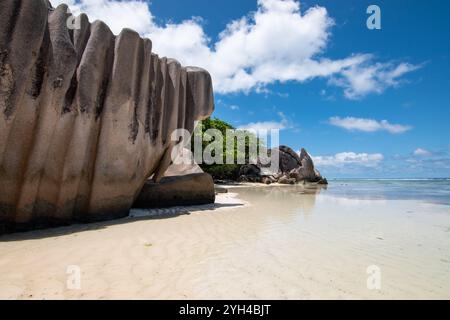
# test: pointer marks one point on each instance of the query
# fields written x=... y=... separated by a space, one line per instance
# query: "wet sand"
x=265 y=243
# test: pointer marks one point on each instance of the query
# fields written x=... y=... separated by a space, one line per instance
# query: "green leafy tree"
x=225 y=171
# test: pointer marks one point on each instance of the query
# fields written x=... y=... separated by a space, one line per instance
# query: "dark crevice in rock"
x=3 y=56
x=72 y=90
x=40 y=69
x=83 y=45
x=190 y=103
x=70 y=95
x=13 y=20
x=70 y=31
x=182 y=97
x=139 y=63
x=134 y=126
x=168 y=103
x=152 y=100
x=148 y=111
x=101 y=98
x=103 y=90
x=7 y=85
x=159 y=87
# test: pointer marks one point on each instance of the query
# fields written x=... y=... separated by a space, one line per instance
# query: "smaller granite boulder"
x=249 y=170
x=268 y=180
x=288 y=159
x=286 y=180
x=191 y=189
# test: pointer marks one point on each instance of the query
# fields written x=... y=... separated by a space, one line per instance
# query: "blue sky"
x=364 y=103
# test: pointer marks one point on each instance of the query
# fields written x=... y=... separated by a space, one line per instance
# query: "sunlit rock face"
x=85 y=116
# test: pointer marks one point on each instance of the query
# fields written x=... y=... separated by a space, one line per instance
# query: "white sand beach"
x=256 y=243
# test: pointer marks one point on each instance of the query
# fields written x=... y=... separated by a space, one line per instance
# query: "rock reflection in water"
x=298 y=198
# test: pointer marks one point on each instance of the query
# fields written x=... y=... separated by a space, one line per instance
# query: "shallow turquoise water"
x=428 y=190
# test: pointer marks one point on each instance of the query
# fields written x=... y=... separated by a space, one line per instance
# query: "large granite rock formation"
x=85 y=116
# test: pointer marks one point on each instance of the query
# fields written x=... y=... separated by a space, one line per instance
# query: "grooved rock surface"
x=85 y=116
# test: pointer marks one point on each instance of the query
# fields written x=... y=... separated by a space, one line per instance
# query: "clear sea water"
x=428 y=190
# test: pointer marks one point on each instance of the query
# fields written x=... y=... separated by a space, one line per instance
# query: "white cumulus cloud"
x=133 y=14
x=361 y=79
x=368 y=125
x=349 y=158
x=422 y=152
x=263 y=127
x=276 y=43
